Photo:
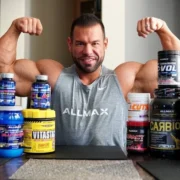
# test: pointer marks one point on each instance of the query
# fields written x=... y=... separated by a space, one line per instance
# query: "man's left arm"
x=137 y=77
x=149 y=25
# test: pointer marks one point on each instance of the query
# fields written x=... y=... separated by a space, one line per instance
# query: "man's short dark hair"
x=86 y=20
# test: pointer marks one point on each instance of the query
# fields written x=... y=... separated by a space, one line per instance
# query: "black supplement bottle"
x=165 y=125
x=165 y=108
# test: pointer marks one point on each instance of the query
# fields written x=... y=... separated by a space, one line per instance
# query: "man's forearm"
x=8 y=45
x=168 y=40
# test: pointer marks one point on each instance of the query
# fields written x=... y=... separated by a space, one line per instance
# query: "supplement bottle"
x=138 y=122
x=165 y=124
x=7 y=89
x=168 y=69
x=11 y=131
x=39 y=130
x=41 y=93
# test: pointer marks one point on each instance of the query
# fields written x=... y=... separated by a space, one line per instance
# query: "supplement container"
x=138 y=106
x=7 y=89
x=165 y=124
x=11 y=131
x=138 y=122
x=39 y=130
x=41 y=93
x=168 y=69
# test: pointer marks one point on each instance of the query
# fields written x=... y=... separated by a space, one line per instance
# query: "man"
x=87 y=97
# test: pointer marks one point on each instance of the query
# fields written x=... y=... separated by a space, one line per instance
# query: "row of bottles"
x=159 y=130
x=19 y=128
x=40 y=91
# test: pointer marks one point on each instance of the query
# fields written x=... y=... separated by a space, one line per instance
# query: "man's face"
x=88 y=47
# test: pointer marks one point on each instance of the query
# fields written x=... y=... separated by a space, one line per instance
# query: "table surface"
x=11 y=166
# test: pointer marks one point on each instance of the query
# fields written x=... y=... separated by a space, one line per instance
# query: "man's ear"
x=69 y=42
x=105 y=42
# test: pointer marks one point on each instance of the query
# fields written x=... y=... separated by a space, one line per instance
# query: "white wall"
x=140 y=49
x=113 y=12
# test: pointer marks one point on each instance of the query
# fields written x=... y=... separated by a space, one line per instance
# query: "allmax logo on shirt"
x=93 y=112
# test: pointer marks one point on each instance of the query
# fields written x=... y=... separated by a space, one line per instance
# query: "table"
x=11 y=166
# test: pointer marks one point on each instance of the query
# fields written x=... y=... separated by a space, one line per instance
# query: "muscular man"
x=88 y=98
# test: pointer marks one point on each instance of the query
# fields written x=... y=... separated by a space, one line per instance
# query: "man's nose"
x=87 y=49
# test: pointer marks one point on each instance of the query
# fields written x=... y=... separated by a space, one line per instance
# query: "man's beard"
x=87 y=68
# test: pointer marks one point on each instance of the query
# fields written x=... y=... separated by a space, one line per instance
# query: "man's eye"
x=79 y=44
x=95 y=43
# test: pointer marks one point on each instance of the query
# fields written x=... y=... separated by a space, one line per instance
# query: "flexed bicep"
x=24 y=74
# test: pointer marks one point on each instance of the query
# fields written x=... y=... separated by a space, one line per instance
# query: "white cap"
x=11 y=108
x=7 y=75
x=42 y=77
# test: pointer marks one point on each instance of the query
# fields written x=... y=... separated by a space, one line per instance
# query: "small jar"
x=40 y=93
x=7 y=89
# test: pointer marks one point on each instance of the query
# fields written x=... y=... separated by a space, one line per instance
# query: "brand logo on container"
x=138 y=107
x=168 y=67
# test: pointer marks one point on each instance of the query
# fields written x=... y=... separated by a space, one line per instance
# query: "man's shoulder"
x=106 y=70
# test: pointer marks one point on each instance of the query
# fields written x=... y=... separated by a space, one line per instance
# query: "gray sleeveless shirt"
x=94 y=114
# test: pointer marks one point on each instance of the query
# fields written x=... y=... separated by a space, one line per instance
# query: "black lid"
x=167 y=52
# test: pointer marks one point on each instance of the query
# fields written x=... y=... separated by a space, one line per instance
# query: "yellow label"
x=39 y=136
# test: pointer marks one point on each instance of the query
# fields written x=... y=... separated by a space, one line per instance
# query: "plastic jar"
x=7 y=89
x=138 y=122
x=39 y=130
x=165 y=125
x=138 y=106
x=41 y=93
x=168 y=69
x=11 y=131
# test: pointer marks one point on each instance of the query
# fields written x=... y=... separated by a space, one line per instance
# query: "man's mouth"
x=87 y=60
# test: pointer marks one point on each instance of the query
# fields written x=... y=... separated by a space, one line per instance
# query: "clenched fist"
x=28 y=25
x=149 y=25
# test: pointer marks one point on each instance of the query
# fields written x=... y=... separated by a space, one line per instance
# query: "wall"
x=140 y=49
x=113 y=13
x=56 y=17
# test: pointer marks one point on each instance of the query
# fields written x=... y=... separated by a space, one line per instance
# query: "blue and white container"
x=11 y=131
x=41 y=93
x=7 y=89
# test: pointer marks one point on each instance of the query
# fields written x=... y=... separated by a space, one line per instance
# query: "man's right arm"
x=8 y=42
x=25 y=70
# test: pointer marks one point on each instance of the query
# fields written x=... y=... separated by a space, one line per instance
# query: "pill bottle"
x=168 y=69
x=41 y=93
x=11 y=131
x=7 y=89
x=138 y=122
x=39 y=130
x=165 y=124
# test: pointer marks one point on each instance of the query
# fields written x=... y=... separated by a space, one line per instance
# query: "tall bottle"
x=41 y=93
x=7 y=89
